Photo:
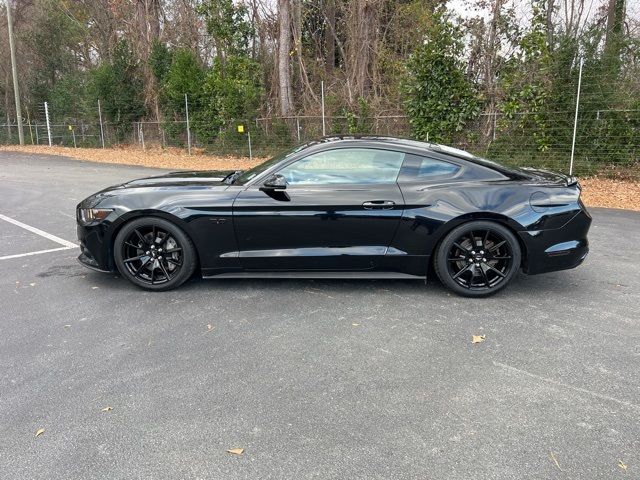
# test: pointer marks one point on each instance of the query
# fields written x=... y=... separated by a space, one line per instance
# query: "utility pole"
x=16 y=90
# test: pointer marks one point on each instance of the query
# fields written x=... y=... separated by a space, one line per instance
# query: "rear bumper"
x=557 y=249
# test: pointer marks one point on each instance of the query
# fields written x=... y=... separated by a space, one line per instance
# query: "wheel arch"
x=513 y=226
x=135 y=215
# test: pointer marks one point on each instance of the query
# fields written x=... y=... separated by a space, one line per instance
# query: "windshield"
x=244 y=177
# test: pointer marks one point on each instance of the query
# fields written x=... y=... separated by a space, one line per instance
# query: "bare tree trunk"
x=284 y=50
x=491 y=56
x=148 y=18
x=296 y=27
x=613 y=42
x=362 y=31
x=329 y=36
x=550 y=7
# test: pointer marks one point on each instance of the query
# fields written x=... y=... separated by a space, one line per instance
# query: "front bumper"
x=557 y=249
x=95 y=248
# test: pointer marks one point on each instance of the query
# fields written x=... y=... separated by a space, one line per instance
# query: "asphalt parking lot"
x=313 y=379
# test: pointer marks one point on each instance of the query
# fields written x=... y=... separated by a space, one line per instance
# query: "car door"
x=338 y=210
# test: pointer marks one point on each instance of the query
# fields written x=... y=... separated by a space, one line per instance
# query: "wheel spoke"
x=456 y=259
x=497 y=246
x=505 y=257
x=164 y=239
x=144 y=242
x=484 y=241
x=164 y=271
x=129 y=244
x=175 y=262
x=486 y=279
x=502 y=275
x=460 y=247
x=153 y=274
x=137 y=270
x=465 y=269
x=133 y=259
x=177 y=249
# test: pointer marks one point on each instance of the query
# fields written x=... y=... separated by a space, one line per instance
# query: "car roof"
x=398 y=141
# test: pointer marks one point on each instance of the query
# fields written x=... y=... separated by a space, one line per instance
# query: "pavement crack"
x=567 y=386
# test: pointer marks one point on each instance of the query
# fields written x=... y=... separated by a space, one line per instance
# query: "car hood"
x=159 y=185
x=209 y=178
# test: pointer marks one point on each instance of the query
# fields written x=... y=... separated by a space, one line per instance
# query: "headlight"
x=90 y=215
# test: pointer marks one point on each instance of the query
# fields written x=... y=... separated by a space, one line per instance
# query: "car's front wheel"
x=478 y=259
x=154 y=254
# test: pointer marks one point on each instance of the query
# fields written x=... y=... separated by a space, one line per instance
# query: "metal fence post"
x=46 y=114
x=575 y=120
x=249 y=140
x=101 y=128
x=495 y=118
x=324 y=132
x=141 y=135
x=186 y=109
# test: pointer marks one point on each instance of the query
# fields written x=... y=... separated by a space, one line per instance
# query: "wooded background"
x=497 y=77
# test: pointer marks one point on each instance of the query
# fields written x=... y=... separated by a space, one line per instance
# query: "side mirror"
x=274 y=182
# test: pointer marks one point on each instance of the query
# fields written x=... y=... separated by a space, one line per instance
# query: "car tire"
x=478 y=258
x=154 y=254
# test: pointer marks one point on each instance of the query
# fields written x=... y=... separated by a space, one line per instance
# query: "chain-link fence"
x=604 y=139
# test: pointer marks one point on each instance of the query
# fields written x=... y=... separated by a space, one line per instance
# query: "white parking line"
x=37 y=231
x=18 y=255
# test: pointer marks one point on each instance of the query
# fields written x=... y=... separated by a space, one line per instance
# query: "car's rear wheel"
x=478 y=259
x=154 y=254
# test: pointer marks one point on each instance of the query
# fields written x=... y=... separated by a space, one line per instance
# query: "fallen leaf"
x=236 y=451
x=106 y=409
x=39 y=432
x=555 y=460
x=355 y=324
x=95 y=288
x=32 y=284
x=477 y=338
x=209 y=327
x=622 y=465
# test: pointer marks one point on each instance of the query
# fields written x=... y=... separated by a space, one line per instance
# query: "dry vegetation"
x=597 y=191
x=170 y=158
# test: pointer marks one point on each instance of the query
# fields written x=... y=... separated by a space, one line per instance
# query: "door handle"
x=379 y=204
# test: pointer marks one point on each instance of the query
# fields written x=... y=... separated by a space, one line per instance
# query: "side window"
x=429 y=167
x=419 y=168
x=345 y=165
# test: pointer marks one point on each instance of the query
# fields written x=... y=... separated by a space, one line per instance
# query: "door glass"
x=345 y=165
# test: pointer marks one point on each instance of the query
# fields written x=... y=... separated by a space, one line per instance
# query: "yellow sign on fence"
x=240 y=128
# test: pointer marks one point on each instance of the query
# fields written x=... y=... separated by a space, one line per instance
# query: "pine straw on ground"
x=171 y=158
x=596 y=191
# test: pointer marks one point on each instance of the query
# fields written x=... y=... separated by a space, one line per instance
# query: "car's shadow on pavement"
x=557 y=283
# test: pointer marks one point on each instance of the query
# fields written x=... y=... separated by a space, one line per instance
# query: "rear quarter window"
x=418 y=168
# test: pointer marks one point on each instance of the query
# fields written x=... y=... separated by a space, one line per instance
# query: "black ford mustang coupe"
x=367 y=207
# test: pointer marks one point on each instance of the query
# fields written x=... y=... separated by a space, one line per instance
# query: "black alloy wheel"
x=154 y=254
x=478 y=258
